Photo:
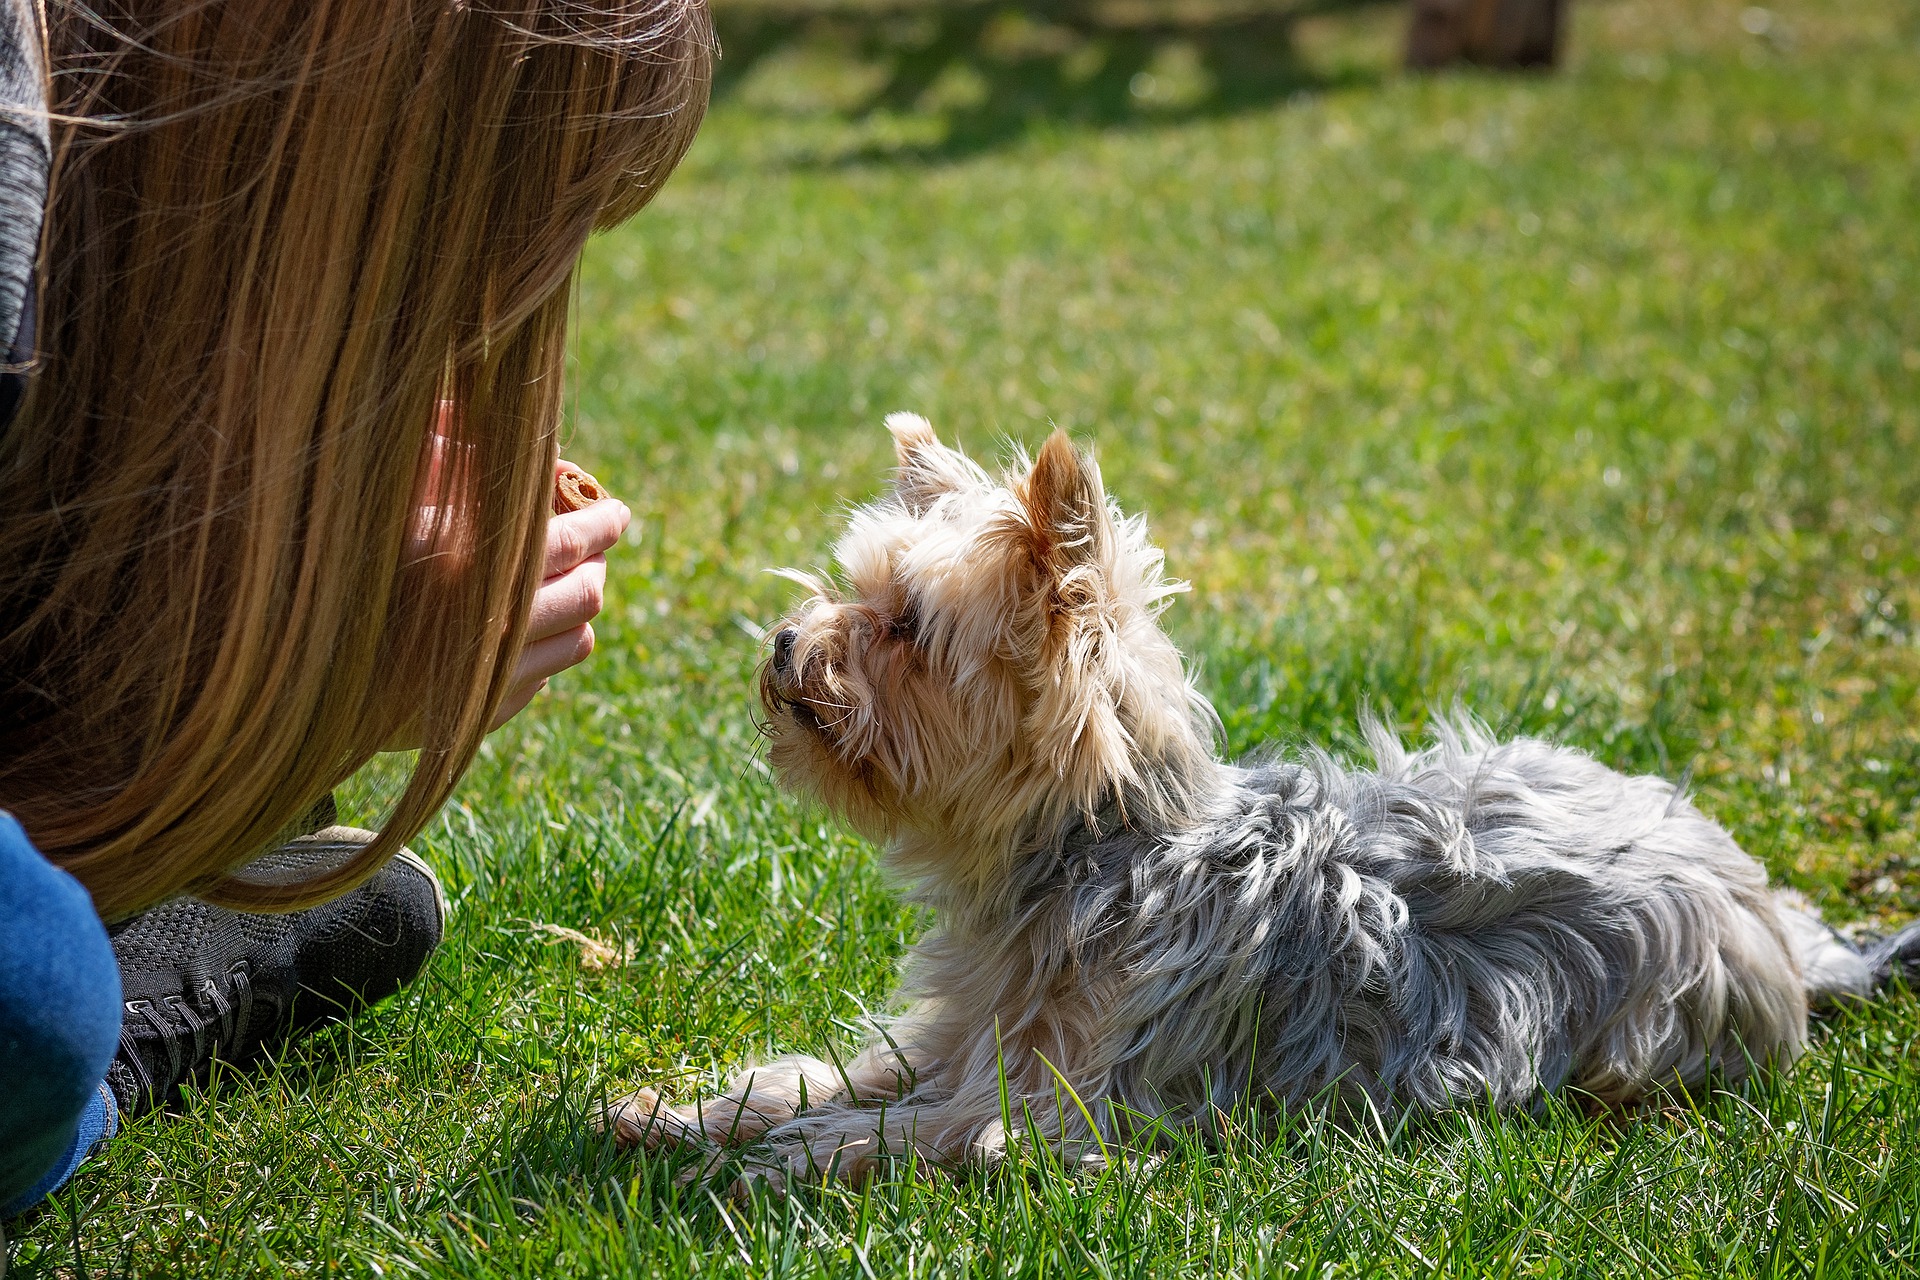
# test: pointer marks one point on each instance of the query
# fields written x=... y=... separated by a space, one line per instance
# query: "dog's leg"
x=849 y=1143
x=760 y=1098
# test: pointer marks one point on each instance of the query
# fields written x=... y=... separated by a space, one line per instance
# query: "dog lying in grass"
x=1130 y=930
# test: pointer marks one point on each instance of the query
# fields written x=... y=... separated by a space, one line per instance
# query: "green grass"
x=1592 y=400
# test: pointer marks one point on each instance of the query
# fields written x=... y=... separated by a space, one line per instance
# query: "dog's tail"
x=1897 y=956
x=1834 y=968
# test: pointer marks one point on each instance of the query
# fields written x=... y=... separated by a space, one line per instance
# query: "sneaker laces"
x=172 y=1022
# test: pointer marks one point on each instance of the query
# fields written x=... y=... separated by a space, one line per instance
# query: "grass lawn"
x=1592 y=400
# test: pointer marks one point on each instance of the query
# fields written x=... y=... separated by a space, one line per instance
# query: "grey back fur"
x=1477 y=922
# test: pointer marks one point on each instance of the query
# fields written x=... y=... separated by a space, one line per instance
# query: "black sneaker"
x=203 y=983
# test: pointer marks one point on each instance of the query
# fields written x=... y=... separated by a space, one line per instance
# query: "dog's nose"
x=783 y=650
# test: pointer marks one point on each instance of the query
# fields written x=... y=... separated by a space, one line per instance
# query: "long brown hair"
x=279 y=235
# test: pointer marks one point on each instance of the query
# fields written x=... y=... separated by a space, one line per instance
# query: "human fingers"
x=568 y=600
x=539 y=662
x=515 y=703
x=575 y=535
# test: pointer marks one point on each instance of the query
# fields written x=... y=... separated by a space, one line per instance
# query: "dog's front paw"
x=643 y=1119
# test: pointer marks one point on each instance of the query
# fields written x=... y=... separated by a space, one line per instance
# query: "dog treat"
x=574 y=490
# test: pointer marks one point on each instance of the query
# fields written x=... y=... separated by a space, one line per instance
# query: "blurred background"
x=993 y=68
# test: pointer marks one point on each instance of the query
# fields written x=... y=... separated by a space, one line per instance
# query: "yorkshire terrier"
x=1131 y=932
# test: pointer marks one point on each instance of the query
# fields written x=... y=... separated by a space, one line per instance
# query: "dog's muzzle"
x=780 y=681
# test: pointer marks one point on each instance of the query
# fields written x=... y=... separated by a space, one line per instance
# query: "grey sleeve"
x=24 y=157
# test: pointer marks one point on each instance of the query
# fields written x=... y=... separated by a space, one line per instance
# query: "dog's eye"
x=906 y=623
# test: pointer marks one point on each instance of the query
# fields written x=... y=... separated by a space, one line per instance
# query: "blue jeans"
x=59 y=1023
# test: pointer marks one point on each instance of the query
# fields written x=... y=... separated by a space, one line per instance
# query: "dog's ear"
x=1067 y=508
x=927 y=469
x=1075 y=721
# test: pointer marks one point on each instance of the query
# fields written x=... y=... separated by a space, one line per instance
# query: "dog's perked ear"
x=1076 y=722
x=1067 y=508
x=927 y=469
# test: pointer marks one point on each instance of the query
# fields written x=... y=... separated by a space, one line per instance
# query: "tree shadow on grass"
x=992 y=72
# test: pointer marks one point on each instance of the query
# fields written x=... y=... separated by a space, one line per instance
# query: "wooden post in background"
x=1488 y=33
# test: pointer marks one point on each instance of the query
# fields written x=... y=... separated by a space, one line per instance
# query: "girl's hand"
x=560 y=632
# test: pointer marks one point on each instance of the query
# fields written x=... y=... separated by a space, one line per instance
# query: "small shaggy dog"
x=1130 y=930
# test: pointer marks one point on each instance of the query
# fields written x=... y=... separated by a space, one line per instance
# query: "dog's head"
x=989 y=660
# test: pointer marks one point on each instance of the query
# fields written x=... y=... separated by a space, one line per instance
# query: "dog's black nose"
x=783 y=649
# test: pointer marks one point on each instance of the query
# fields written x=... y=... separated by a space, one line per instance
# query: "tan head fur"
x=988 y=663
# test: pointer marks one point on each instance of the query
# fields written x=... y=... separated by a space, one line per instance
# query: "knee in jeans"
x=58 y=1062
x=52 y=1067
x=59 y=989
